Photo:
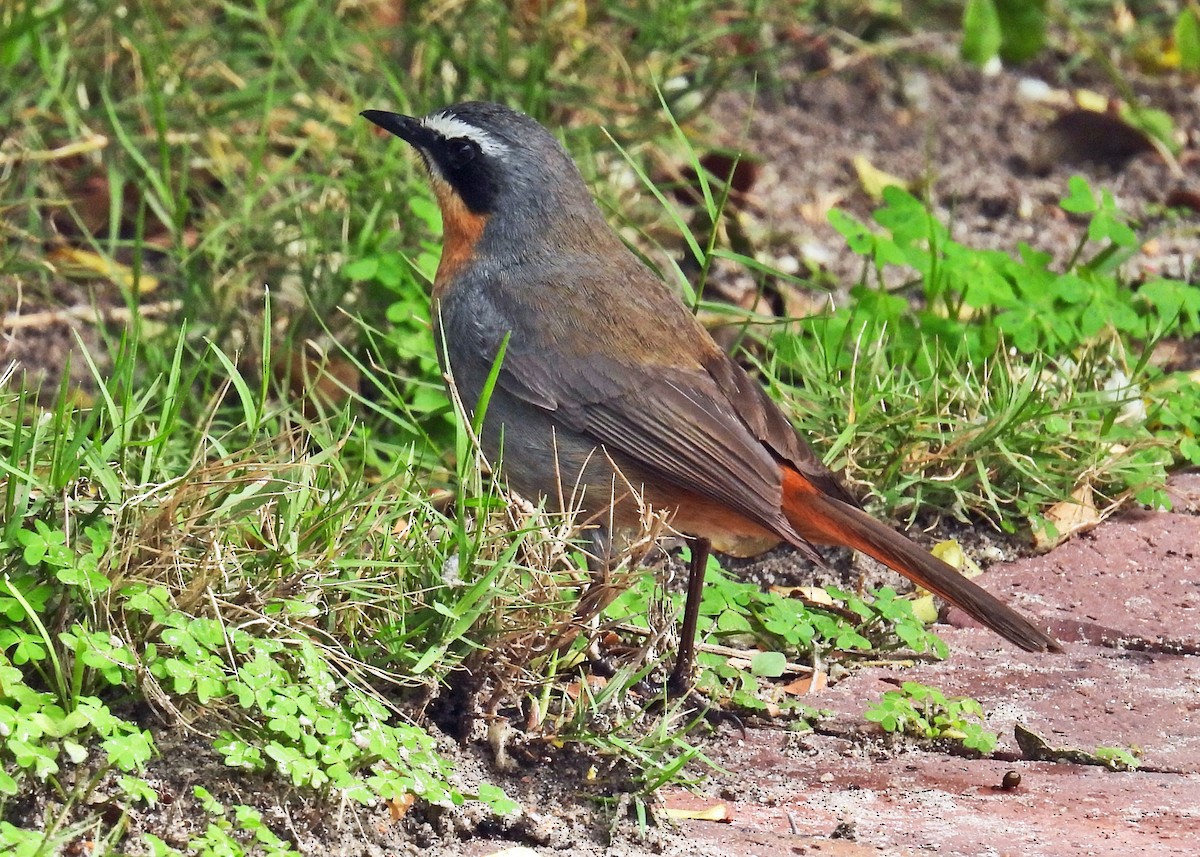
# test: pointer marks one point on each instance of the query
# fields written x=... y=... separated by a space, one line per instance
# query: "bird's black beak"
x=407 y=128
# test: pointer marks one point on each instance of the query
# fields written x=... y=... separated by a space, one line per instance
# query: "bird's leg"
x=595 y=594
x=680 y=681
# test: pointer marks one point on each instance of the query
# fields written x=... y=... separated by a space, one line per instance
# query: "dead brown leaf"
x=809 y=594
x=398 y=807
x=818 y=681
x=1081 y=135
x=1068 y=517
x=874 y=180
x=84 y=264
x=690 y=807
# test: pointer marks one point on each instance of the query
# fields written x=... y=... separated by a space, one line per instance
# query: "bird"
x=608 y=395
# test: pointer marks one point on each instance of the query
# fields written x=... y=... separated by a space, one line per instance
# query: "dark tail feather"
x=826 y=520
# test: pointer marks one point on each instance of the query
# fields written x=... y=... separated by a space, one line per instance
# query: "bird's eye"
x=461 y=152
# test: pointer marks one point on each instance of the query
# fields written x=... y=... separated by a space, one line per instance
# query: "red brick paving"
x=1125 y=599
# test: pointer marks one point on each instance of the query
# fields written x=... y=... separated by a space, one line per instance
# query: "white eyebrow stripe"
x=451 y=126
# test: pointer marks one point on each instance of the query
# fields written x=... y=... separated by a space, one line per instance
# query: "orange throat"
x=461 y=230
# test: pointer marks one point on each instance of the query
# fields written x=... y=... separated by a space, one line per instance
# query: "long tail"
x=826 y=520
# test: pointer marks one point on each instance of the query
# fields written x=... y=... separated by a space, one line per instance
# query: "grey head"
x=501 y=165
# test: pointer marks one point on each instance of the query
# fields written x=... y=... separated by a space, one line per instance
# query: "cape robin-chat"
x=610 y=393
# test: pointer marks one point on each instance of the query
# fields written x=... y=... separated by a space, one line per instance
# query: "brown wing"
x=679 y=424
x=618 y=358
x=768 y=424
